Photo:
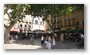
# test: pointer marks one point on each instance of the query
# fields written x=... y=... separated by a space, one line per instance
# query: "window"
x=25 y=26
x=76 y=15
x=36 y=22
x=61 y=25
x=77 y=23
x=69 y=24
x=65 y=24
x=73 y=23
x=68 y=28
x=20 y=25
x=41 y=23
x=29 y=27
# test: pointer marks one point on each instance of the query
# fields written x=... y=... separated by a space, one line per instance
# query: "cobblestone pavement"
x=36 y=44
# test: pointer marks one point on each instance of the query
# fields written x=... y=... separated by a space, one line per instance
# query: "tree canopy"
x=53 y=9
x=20 y=10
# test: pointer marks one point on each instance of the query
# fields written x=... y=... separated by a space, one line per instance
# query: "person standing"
x=46 y=42
x=55 y=35
x=42 y=40
x=62 y=38
x=49 y=45
x=82 y=38
x=16 y=37
x=53 y=42
x=49 y=39
x=49 y=42
x=32 y=37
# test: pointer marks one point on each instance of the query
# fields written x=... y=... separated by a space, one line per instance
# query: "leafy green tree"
x=53 y=9
x=20 y=10
x=17 y=13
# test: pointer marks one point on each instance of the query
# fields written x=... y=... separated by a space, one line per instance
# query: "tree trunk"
x=18 y=15
x=51 y=27
x=7 y=30
x=7 y=35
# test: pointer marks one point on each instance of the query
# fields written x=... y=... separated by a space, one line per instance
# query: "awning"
x=71 y=31
x=15 y=30
x=77 y=30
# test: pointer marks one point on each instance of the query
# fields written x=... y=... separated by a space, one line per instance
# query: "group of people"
x=18 y=37
x=70 y=37
x=48 y=41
